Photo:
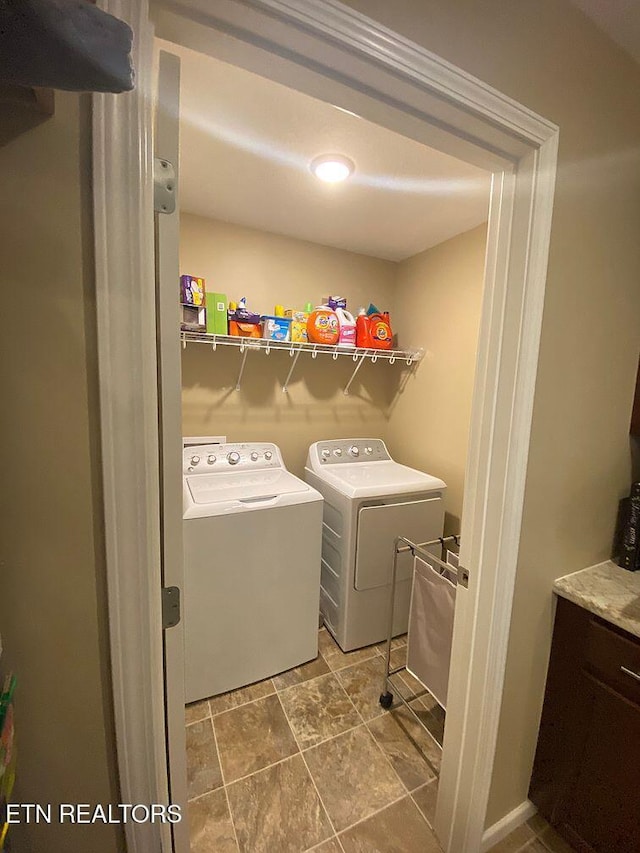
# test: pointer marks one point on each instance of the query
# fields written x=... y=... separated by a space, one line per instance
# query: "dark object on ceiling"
x=64 y=44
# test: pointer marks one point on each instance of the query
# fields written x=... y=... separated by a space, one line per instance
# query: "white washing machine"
x=368 y=500
x=252 y=545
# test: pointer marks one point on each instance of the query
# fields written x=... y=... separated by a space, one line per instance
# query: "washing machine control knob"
x=326 y=453
x=354 y=451
x=268 y=455
x=337 y=452
x=233 y=458
x=254 y=456
x=368 y=450
x=211 y=459
x=195 y=460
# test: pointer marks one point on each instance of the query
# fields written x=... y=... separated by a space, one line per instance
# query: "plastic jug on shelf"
x=380 y=331
x=363 y=329
x=322 y=326
x=347 y=328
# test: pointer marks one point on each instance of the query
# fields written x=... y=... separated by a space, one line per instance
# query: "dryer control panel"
x=341 y=450
x=207 y=458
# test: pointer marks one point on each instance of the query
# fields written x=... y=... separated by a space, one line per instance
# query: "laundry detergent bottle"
x=380 y=331
x=363 y=329
x=322 y=326
x=347 y=328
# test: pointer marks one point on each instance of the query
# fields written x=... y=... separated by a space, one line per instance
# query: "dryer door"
x=378 y=526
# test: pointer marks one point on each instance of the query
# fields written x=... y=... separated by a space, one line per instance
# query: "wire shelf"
x=358 y=355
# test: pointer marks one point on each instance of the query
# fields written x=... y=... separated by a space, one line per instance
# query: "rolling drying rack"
x=246 y=345
x=401 y=546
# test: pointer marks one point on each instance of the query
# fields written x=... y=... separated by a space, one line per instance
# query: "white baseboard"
x=506 y=825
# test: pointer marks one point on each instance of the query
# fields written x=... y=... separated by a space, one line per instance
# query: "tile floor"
x=308 y=760
x=534 y=836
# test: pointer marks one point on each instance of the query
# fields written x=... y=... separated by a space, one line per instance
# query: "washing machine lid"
x=243 y=486
x=384 y=478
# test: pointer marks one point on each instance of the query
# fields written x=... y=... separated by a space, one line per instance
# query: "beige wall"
x=267 y=268
x=438 y=302
x=435 y=300
x=52 y=596
x=551 y=58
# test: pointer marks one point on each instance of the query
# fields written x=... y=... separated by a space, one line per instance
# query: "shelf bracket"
x=291 y=369
x=244 y=352
x=353 y=375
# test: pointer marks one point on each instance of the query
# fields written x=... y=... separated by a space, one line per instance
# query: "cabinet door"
x=635 y=414
x=564 y=724
x=601 y=811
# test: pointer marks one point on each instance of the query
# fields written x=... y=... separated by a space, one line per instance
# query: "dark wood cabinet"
x=635 y=414
x=586 y=777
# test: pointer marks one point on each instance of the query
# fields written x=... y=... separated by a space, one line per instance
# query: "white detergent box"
x=276 y=328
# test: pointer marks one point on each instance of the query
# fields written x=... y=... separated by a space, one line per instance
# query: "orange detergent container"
x=373 y=331
x=363 y=329
x=380 y=331
x=322 y=326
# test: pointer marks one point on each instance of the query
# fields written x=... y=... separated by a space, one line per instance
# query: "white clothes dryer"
x=369 y=500
x=252 y=545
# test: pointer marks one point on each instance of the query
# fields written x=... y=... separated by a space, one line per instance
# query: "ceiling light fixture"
x=332 y=168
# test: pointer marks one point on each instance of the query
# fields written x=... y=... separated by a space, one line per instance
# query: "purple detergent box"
x=192 y=291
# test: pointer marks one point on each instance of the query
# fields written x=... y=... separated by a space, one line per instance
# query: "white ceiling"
x=246 y=143
x=620 y=20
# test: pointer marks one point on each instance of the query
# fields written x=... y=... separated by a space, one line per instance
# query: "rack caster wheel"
x=386 y=700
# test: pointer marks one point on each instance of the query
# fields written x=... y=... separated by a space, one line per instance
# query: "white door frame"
x=167 y=148
x=403 y=85
x=122 y=183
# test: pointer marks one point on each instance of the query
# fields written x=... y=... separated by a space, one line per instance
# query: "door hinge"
x=170 y=606
x=463 y=577
x=164 y=185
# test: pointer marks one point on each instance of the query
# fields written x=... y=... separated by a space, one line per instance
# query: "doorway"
x=523 y=163
x=405 y=232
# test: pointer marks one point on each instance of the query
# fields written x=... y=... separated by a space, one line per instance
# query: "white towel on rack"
x=433 y=601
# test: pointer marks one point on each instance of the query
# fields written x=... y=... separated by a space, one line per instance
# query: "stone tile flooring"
x=534 y=836
x=309 y=761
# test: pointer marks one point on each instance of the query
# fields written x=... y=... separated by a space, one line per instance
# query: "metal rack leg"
x=386 y=697
x=291 y=369
x=244 y=358
x=353 y=375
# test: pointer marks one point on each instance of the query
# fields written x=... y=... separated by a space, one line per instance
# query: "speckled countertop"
x=606 y=590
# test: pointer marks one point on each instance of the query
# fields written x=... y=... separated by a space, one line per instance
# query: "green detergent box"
x=217 y=313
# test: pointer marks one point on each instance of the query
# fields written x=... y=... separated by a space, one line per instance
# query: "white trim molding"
x=125 y=306
x=370 y=38
x=317 y=45
x=508 y=824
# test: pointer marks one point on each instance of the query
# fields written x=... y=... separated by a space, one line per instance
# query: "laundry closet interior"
x=328 y=336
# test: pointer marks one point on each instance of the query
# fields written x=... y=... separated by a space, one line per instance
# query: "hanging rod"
x=459 y=571
x=417 y=546
x=420 y=551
